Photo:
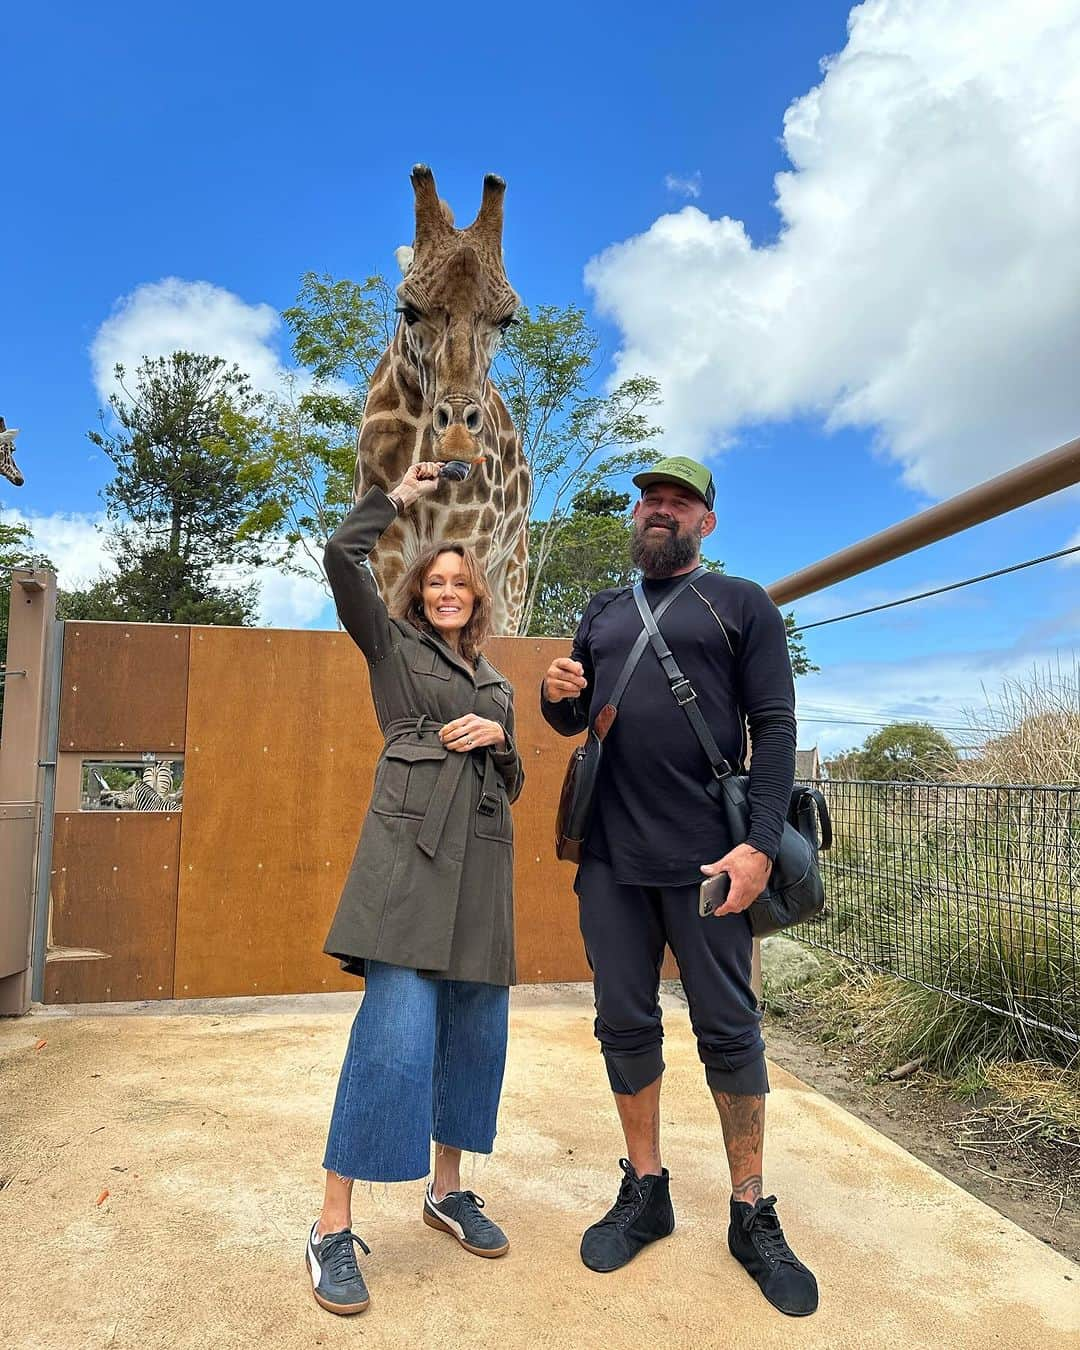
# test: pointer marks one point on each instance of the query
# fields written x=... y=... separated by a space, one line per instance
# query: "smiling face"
x=448 y=596
x=670 y=522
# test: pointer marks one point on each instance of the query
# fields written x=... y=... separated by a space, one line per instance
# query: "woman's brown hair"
x=408 y=600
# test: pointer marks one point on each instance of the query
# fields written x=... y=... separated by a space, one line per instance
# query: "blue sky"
x=892 y=321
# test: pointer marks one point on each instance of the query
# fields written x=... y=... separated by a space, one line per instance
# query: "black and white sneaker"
x=336 y=1281
x=757 y=1242
x=459 y=1215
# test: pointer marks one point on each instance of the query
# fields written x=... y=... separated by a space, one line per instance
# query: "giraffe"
x=8 y=468
x=430 y=399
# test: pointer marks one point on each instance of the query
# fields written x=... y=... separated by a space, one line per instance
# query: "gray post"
x=30 y=706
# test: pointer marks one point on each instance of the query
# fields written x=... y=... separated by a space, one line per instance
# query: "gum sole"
x=341 y=1309
x=441 y=1227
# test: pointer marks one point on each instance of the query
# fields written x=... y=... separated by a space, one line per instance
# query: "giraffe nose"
x=447 y=414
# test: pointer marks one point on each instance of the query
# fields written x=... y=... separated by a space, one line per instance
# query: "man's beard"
x=666 y=554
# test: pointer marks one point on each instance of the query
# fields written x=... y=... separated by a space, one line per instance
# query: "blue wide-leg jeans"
x=425 y=1061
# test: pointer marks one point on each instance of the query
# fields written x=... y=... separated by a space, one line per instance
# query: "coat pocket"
x=406 y=778
x=496 y=824
x=425 y=660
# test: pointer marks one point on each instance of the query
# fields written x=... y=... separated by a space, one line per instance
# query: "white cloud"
x=925 y=281
x=689 y=186
x=160 y=317
x=286 y=600
x=1073 y=560
x=73 y=543
x=951 y=690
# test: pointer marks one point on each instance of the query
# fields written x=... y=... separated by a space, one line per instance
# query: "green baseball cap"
x=677 y=469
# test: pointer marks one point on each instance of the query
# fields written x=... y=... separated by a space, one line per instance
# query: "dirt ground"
x=922 y=1118
x=159 y=1171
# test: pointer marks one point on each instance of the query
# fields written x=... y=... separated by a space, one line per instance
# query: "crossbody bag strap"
x=642 y=641
x=681 y=687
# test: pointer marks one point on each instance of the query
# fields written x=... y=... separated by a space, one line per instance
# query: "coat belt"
x=438 y=811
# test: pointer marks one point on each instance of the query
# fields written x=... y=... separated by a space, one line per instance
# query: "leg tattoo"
x=743 y=1122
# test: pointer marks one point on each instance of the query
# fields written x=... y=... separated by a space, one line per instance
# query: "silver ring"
x=468 y=740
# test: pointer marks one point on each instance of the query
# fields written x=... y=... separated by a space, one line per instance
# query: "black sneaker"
x=641 y=1213
x=336 y=1281
x=459 y=1215
x=757 y=1242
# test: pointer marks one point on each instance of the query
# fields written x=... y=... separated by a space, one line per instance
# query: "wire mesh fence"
x=969 y=890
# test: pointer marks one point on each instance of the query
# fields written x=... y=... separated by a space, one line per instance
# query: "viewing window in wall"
x=146 y=784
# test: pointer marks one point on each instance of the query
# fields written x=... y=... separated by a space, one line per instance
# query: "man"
x=654 y=833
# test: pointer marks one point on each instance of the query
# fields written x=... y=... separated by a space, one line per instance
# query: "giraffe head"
x=455 y=303
x=8 y=468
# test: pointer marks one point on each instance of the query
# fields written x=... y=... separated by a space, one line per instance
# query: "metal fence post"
x=40 y=936
x=31 y=698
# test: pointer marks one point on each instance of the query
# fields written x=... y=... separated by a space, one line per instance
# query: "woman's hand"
x=472 y=733
x=420 y=480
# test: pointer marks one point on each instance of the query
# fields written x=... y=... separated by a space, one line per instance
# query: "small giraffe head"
x=8 y=468
x=455 y=303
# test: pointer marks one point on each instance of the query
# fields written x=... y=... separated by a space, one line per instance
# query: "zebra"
x=153 y=792
x=8 y=468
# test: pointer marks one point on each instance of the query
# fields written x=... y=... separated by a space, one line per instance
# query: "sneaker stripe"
x=313 y=1261
x=443 y=1217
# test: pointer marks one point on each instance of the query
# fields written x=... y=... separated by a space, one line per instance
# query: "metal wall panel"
x=125 y=686
x=280 y=756
x=114 y=888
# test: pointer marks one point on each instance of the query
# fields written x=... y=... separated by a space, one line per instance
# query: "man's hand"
x=564 y=679
x=471 y=733
x=749 y=871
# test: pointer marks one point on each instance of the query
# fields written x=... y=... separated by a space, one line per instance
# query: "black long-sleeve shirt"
x=653 y=820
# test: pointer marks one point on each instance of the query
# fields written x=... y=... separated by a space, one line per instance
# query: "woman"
x=427 y=911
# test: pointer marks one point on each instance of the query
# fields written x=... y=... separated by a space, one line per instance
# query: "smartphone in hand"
x=713 y=893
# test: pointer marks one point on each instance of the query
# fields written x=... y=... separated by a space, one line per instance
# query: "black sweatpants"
x=626 y=929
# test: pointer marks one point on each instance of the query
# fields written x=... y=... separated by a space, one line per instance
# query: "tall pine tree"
x=180 y=492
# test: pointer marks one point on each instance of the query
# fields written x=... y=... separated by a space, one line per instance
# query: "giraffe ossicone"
x=431 y=398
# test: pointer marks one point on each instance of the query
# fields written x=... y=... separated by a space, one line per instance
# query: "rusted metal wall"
x=233 y=894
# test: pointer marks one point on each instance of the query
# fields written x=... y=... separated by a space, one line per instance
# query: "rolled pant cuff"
x=748 y=1080
x=629 y=1074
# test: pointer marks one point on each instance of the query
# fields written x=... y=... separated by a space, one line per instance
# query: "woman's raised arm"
x=358 y=601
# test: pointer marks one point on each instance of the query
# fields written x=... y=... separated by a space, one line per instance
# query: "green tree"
x=154 y=585
x=902 y=752
x=181 y=490
x=302 y=444
x=590 y=552
x=576 y=441
x=341 y=328
x=302 y=458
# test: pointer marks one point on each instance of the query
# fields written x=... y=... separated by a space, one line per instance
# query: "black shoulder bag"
x=579 y=782
x=794 y=891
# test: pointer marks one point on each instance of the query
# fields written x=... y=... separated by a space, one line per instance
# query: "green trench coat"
x=432 y=883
